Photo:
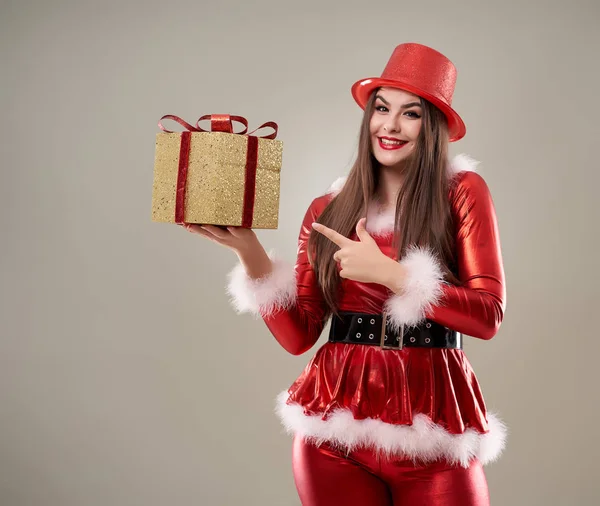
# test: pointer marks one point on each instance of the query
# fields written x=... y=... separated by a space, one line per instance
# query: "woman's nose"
x=391 y=127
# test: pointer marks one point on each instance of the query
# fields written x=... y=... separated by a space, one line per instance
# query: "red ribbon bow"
x=219 y=123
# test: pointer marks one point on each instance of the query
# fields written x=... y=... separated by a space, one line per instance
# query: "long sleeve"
x=475 y=308
x=289 y=300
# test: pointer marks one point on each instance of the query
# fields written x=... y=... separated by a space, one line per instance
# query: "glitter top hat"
x=420 y=70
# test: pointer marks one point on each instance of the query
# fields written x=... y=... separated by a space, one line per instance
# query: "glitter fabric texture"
x=215 y=179
x=436 y=74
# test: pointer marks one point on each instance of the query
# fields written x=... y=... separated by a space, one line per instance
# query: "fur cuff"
x=264 y=296
x=423 y=441
x=422 y=288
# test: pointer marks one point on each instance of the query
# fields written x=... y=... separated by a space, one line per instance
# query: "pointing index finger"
x=331 y=234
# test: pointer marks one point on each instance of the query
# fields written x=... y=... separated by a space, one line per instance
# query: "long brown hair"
x=423 y=215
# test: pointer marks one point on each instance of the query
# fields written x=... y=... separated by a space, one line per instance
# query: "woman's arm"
x=287 y=297
x=477 y=307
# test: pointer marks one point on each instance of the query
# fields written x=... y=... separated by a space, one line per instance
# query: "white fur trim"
x=462 y=163
x=422 y=441
x=380 y=223
x=493 y=443
x=377 y=223
x=264 y=296
x=337 y=185
x=422 y=288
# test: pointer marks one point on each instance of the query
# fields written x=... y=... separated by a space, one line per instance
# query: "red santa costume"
x=418 y=401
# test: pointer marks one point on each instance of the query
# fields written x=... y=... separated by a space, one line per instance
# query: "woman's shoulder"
x=320 y=202
x=465 y=183
x=468 y=189
x=462 y=169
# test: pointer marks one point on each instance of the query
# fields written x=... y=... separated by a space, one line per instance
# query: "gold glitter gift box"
x=217 y=177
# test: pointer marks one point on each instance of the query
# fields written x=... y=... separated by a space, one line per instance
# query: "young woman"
x=404 y=257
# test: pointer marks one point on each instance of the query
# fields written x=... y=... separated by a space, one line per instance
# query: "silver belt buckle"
x=382 y=344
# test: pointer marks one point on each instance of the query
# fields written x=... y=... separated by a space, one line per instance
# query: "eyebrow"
x=405 y=106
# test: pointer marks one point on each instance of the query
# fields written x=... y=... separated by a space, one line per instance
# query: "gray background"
x=125 y=376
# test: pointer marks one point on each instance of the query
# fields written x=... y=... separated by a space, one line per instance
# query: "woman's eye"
x=413 y=114
x=381 y=108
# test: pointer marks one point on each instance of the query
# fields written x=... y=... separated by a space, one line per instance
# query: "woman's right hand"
x=238 y=239
x=242 y=241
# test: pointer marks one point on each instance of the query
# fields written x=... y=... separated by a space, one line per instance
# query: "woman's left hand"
x=362 y=260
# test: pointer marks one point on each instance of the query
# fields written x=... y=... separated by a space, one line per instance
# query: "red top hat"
x=420 y=70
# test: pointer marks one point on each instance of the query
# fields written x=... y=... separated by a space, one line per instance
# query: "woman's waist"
x=376 y=329
x=363 y=298
x=356 y=352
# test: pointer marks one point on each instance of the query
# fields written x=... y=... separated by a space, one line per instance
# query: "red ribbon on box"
x=219 y=123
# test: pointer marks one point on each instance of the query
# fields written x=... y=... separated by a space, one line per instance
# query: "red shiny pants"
x=325 y=476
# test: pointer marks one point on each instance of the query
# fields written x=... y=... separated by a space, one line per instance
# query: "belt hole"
x=413 y=339
x=428 y=325
x=372 y=321
x=371 y=336
x=427 y=340
x=358 y=335
x=360 y=320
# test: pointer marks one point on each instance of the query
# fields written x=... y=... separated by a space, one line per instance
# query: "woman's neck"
x=390 y=182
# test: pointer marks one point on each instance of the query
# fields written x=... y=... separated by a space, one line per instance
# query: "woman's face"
x=395 y=125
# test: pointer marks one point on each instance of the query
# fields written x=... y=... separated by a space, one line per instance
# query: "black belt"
x=363 y=328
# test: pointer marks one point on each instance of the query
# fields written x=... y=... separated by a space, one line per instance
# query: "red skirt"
x=421 y=403
x=392 y=385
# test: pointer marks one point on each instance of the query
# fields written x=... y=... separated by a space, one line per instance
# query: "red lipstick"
x=392 y=144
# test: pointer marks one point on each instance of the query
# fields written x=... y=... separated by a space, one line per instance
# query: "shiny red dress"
x=421 y=402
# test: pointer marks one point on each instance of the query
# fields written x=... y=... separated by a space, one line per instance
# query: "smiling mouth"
x=390 y=144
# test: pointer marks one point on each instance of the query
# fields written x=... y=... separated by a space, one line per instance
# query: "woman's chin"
x=391 y=163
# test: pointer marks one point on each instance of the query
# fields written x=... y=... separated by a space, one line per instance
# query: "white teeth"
x=392 y=143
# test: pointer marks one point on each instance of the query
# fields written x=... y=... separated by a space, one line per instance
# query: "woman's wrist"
x=393 y=275
x=255 y=260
